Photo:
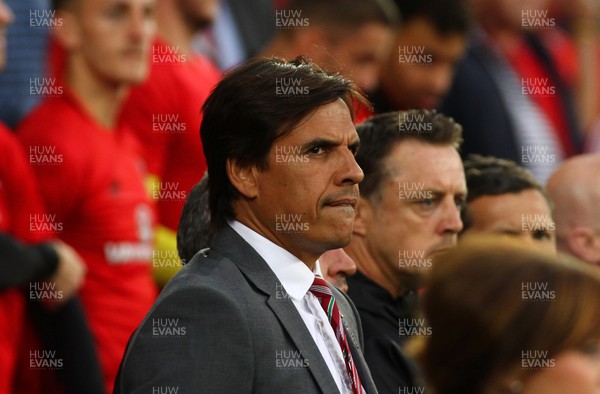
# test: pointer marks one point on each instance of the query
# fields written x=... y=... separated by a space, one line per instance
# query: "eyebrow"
x=439 y=193
x=328 y=143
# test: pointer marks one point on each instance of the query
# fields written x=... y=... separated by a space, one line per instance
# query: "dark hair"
x=447 y=16
x=194 y=232
x=333 y=14
x=481 y=320
x=491 y=176
x=379 y=134
x=245 y=115
x=62 y=4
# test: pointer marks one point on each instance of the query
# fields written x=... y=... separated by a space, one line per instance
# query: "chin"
x=342 y=240
x=330 y=241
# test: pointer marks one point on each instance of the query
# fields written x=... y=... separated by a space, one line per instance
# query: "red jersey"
x=92 y=181
x=20 y=204
x=165 y=115
x=22 y=216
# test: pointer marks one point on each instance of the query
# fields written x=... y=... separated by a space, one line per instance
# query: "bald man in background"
x=575 y=192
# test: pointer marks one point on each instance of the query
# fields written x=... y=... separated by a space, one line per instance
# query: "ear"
x=364 y=217
x=244 y=179
x=69 y=34
x=584 y=243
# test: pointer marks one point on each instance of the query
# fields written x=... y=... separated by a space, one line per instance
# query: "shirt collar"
x=295 y=277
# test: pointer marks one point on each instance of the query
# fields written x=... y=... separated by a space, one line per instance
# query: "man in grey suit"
x=253 y=315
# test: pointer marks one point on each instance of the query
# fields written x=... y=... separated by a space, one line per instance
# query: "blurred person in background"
x=164 y=114
x=505 y=198
x=31 y=258
x=350 y=37
x=418 y=71
x=88 y=167
x=409 y=210
x=39 y=280
x=240 y=31
x=509 y=93
x=575 y=192
x=577 y=54
x=337 y=266
x=28 y=38
x=194 y=234
x=505 y=318
x=28 y=259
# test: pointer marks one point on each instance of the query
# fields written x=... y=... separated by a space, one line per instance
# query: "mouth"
x=429 y=102
x=134 y=53
x=344 y=203
x=439 y=251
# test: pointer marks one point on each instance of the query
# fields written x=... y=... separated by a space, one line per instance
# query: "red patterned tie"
x=320 y=289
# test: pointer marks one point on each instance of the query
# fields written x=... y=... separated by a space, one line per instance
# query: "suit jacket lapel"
x=288 y=316
x=229 y=244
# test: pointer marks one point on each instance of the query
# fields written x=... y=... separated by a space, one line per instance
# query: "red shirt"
x=528 y=65
x=165 y=115
x=22 y=216
x=91 y=179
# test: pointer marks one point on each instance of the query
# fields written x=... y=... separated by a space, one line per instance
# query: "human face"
x=306 y=198
x=360 y=54
x=417 y=213
x=336 y=265
x=574 y=372
x=113 y=38
x=420 y=67
x=6 y=18
x=525 y=215
x=198 y=13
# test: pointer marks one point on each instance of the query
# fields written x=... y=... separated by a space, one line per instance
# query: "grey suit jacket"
x=224 y=324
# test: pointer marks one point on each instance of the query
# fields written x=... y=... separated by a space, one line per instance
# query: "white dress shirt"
x=296 y=279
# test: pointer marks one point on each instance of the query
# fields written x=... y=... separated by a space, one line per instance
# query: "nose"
x=136 y=26
x=440 y=77
x=336 y=263
x=142 y=23
x=450 y=221
x=349 y=172
x=343 y=264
